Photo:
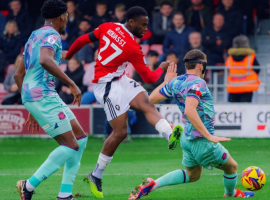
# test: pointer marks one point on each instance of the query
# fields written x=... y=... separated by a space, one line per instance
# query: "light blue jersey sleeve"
x=51 y=41
x=197 y=90
x=166 y=90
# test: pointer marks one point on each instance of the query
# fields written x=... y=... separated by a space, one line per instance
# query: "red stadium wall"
x=12 y=119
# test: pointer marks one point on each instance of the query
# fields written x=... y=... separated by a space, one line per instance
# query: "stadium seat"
x=63 y=67
x=3 y=92
x=145 y=48
x=129 y=70
x=158 y=48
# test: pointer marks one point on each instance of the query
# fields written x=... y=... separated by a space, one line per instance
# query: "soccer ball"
x=253 y=178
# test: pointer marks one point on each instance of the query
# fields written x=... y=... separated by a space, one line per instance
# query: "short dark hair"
x=101 y=2
x=136 y=11
x=53 y=8
x=152 y=53
x=194 y=54
x=171 y=53
x=85 y=20
x=166 y=2
x=179 y=13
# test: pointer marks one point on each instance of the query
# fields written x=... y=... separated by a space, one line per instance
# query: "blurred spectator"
x=183 y=5
x=148 y=5
x=177 y=39
x=153 y=63
x=172 y=57
x=173 y=2
x=242 y=82
x=233 y=18
x=10 y=41
x=215 y=40
x=14 y=95
x=119 y=12
x=86 y=54
x=74 y=18
x=88 y=97
x=75 y=72
x=39 y=22
x=3 y=65
x=101 y=15
x=198 y=15
x=195 y=42
x=22 y=18
x=162 y=22
x=2 y=22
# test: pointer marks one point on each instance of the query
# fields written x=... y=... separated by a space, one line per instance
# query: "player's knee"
x=194 y=176
x=233 y=167
x=121 y=134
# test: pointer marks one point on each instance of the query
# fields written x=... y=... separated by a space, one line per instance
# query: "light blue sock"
x=229 y=181
x=53 y=163
x=172 y=178
x=71 y=169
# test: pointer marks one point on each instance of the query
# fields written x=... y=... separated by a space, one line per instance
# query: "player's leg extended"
x=119 y=126
x=67 y=149
x=191 y=174
x=141 y=103
x=230 y=180
x=72 y=165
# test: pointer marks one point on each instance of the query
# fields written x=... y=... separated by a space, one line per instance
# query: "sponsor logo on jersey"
x=52 y=39
x=120 y=32
x=195 y=87
x=114 y=36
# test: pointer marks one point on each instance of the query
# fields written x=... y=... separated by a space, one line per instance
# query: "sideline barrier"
x=231 y=120
x=12 y=119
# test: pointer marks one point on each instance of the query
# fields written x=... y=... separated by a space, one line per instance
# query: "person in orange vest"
x=242 y=79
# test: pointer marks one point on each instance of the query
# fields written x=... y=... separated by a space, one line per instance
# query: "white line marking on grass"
x=18 y=153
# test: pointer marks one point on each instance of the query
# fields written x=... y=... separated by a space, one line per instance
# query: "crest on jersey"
x=51 y=39
x=195 y=87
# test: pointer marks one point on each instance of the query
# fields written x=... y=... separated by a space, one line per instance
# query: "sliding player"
x=200 y=147
x=35 y=79
x=115 y=91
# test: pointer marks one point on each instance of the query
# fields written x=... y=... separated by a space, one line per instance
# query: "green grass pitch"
x=19 y=158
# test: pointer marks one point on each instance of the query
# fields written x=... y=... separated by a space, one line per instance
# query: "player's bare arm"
x=155 y=96
x=19 y=76
x=192 y=115
x=48 y=63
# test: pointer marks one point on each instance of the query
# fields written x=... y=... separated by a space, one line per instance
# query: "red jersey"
x=117 y=47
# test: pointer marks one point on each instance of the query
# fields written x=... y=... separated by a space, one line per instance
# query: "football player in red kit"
x=115 y=91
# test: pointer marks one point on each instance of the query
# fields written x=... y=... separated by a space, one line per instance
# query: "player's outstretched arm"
x=78 y=44
x=48 y=63
x=155 y=96
x=192 y=115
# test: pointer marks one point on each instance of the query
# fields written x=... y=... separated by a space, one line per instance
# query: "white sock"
x=164 y=128
x=29 y=187
x=64 y=195
x=232 y=195
x=102 y=163
x=156 y=186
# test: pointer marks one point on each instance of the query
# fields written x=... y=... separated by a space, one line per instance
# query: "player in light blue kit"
x=200 y=147
x=35 y=78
